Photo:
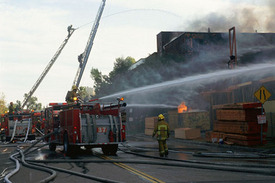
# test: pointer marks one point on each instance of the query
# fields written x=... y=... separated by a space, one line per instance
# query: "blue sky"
x=31 y=32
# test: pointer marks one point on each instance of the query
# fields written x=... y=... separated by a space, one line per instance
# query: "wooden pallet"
x=245 y=140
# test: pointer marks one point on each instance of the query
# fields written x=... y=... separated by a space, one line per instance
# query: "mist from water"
x=153 y=106
x=250 y=73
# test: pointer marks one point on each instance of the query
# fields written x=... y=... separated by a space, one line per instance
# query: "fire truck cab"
x=90 y=125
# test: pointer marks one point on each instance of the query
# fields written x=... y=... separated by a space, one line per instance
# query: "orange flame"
x=182 y=107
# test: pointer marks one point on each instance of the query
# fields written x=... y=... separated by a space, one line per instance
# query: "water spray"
x=200 y=79
x=153 y=106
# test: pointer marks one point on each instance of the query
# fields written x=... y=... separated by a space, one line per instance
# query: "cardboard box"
x=187 y=133
x=149 y=131
x=151 y=122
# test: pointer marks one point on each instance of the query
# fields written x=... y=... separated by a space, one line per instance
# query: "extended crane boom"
x=83 y=58
x=48 y=67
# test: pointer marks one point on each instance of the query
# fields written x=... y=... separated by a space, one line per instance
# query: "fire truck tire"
x=31 y=137
x=3 y=138
x=109 y=149
x=52 y=147
x=66 y=146
x=8 y=138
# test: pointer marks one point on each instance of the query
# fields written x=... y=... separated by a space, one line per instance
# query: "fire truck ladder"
x=83 y=58
x=50 y=64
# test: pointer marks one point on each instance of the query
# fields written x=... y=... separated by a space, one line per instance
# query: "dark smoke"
x=244 y=19
x=270 y=24
x=251 y=48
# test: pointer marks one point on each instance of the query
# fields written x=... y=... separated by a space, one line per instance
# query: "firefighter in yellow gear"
x=162 y=130
x=71 y=95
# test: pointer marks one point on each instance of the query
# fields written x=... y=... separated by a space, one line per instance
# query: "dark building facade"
x=182 y=43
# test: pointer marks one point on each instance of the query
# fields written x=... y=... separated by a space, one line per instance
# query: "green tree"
x=121 y=66
x=102 y=83
x=3 y=106
x=32 y=103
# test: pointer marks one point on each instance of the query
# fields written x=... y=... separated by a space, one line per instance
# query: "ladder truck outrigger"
x=86 y=124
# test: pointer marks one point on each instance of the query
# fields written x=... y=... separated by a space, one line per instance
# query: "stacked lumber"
x=173 y=119
x=150 y=123
x=190 y=119
x=187 y=133
x=238 y=124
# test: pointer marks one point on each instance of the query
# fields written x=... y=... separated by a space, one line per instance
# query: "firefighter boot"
x=166 y=153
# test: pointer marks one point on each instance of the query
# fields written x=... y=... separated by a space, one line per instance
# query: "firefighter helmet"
x=160 y=117
x=74 y=87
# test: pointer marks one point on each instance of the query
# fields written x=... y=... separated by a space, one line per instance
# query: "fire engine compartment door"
x=95 y=129
x=20 y=127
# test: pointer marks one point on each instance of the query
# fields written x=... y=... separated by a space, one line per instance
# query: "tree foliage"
x=121 y=66
x=32 y=103
x=102 y=82
x=3 y=106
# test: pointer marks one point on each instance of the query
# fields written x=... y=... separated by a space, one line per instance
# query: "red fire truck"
x=38 y=122
x=16 y=125
x=90 y=125
x=2 y=127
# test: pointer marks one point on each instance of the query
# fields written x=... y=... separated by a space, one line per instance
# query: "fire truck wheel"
x=66 y=146
x=8 y=139
x=31 y=137
x=109 y=149
x=3 y=138
x=52 y=147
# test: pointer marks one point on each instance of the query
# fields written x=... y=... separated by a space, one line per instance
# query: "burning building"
x=252 y=48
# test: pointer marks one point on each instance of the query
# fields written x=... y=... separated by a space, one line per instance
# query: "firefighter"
x=11 y=108
x=71 y=95
x=162 y=130
x=70 y=27
x=11 y=111
x=38 y=125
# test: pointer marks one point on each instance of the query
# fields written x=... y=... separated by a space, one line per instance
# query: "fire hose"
x=29 y=124
x=14 y=129
x=12 y=157
x=178 y=164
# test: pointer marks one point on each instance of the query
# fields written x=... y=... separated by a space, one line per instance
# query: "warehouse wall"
x=269 y=107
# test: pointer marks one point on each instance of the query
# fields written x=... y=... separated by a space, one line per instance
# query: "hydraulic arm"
x=50 y=64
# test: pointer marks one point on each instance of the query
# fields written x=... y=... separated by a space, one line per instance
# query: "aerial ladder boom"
x=48 y=67
x=83 y=58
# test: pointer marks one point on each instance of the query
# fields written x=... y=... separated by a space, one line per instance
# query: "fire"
x=182 y=107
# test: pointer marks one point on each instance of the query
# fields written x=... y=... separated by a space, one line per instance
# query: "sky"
x=32 y=31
